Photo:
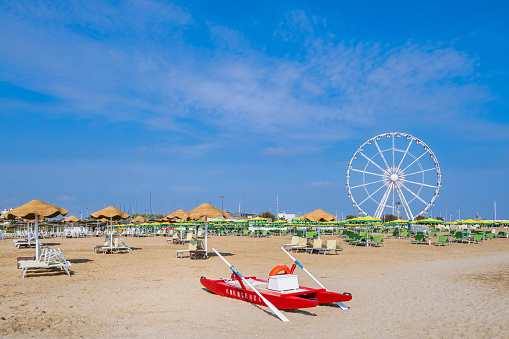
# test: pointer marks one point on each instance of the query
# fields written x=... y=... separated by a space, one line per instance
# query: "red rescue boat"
x=281 y=289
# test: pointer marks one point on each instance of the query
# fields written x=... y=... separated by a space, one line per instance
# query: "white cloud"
x=328 y=94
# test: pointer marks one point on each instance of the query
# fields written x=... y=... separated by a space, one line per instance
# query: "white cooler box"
x=283 y=282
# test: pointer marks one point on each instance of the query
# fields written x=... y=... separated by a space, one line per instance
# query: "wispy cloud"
x=322 y=184
x=97 y=65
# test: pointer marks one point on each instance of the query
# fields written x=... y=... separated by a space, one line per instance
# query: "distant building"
x=286 y=216
x=237 y=216
x=2 y=213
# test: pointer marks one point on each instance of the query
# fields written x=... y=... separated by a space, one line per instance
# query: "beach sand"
x=399 y=291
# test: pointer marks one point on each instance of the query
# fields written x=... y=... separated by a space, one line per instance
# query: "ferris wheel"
x=393 y=171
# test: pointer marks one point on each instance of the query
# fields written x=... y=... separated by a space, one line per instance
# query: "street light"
x=222 y=197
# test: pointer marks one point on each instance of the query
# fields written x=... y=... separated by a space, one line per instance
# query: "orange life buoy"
x=278 y=269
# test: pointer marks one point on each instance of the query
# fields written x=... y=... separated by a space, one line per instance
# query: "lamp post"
x=222 y=197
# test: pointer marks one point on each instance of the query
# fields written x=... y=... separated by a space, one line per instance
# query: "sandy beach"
x=399 y=291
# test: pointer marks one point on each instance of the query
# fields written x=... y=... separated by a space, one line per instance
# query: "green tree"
x=267 y=215
x=439 y=218
x=147 y=215
x=389 y=217
x=420 y=217
x=350 y=216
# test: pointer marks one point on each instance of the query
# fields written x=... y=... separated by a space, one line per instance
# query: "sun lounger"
x=442 y=240
x=502 y=234
x=189 y=237
x=334 y=246
x=50 y=258
x=403 y=235
x=174 y=239
x=303 y=243
x=317 y=246
x=117 y=246
x=194 y=245
x=476 y=239
x=458 y=237
x=359 y=240
x=378 y=240
x=294 y=242
x=419 y=239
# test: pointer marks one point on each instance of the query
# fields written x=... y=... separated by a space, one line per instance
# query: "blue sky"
x=106 y=103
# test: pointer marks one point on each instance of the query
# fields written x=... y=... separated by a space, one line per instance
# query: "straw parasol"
x=318 y=215
x=72 y=218
x=205 y=211
x=33 y=210
x=179 y=214
x=139 y=218
x=111 y=213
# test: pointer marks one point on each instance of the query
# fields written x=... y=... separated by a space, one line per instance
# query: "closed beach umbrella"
x=34 y=210
x=205 y=211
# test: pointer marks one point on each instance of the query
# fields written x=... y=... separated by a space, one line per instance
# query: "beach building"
x=286 y=216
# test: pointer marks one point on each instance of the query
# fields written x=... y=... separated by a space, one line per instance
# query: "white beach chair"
x=50 y=258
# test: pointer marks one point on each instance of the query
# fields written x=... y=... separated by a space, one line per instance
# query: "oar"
x=300 y=265
x=340 y=304
x=268 y=303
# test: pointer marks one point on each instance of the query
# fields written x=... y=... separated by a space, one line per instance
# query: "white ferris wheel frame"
x=393 y=177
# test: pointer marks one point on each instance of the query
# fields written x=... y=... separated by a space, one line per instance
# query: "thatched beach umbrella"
x=318 y=216
x=111 y=213
x=72 y=218
x=179 y=214
x=33 y=210
x=203 y=212
x=139 y=218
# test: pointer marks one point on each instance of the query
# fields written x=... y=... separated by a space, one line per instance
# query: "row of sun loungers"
x=315 y=245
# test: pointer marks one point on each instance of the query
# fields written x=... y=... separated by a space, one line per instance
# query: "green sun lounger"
x=442 y=240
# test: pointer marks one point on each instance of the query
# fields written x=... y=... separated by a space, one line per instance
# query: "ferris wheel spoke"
x=374 y=163
x=369 y=183
x=383 y=202
x=366 y=172
x=415 y=195
x=416 y=159
x=406 y=207
x=381 y=154
x=393 y=149
x=417 y=183
x=404 y=154
x=369 y=196
x=419 y=172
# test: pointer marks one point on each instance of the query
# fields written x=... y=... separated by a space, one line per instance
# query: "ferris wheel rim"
x=396 y=185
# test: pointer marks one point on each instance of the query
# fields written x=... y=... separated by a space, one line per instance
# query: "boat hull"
x=304 y=298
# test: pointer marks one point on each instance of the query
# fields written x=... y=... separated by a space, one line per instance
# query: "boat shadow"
x=269 y=312
x=223 y=254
